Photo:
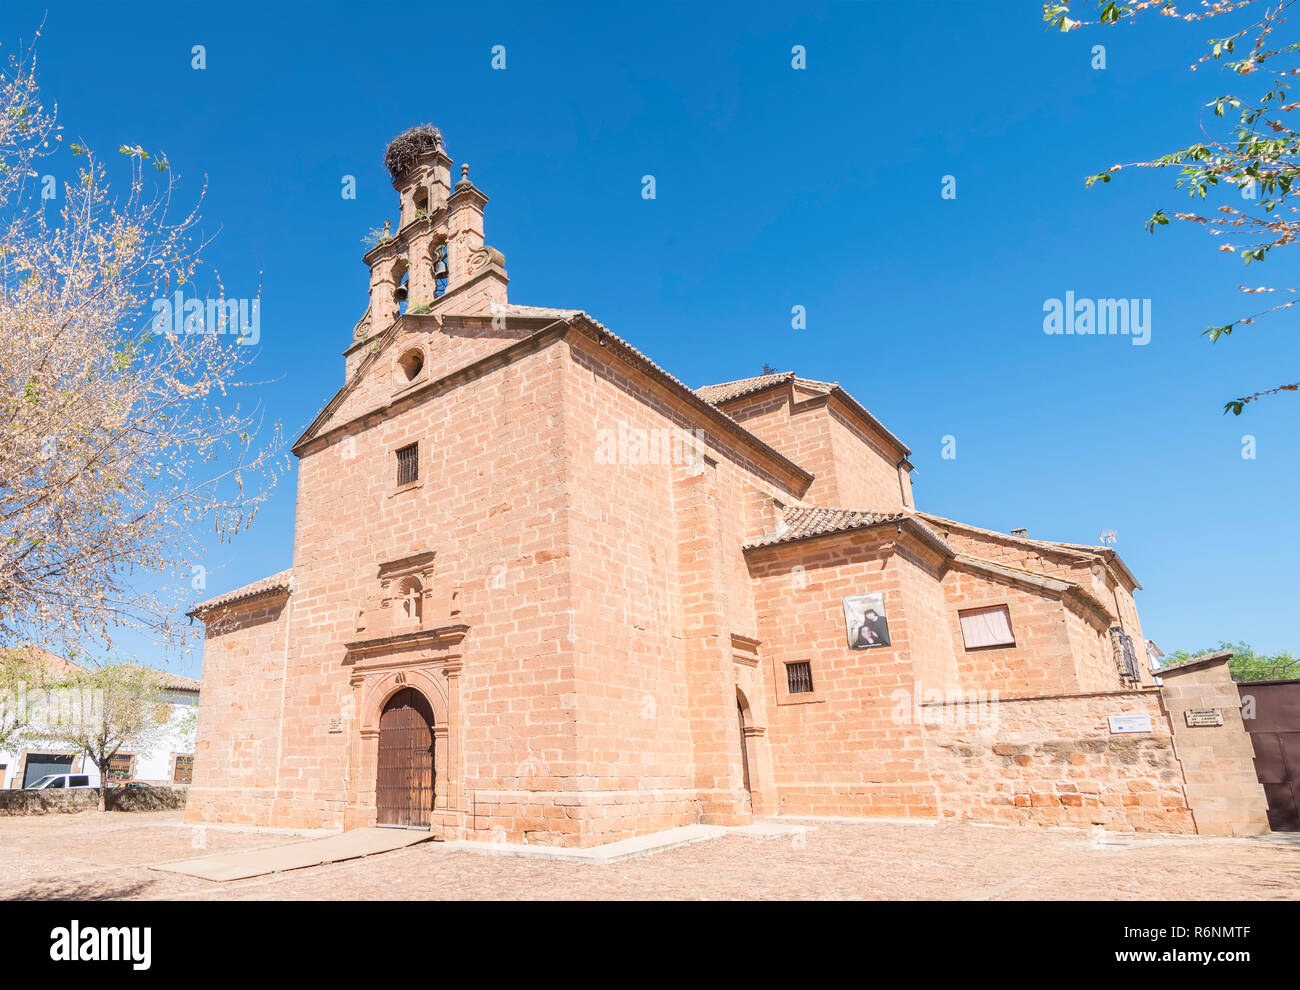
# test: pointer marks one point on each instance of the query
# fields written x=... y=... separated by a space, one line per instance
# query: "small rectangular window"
x=82 y=781
x=799 y=677
x=981 y=627
x=184 y=772
x=408 y=464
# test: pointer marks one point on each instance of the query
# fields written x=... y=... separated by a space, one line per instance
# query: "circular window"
x=411 y=364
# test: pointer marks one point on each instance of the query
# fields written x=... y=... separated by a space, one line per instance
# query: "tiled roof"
x=175 y=682
x=52 y=662
x=604 y=331
x=1109 y=554
x=1035 y=579
x=281 y=582
x=1024 y=575
x=1076 y=550
x=172 y=682
x=801 y=523
x=726 y=391
x=59 y=666
x=515 y=309
x=1067 y=549
x=573 y=317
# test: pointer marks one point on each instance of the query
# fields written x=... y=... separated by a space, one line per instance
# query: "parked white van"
x=64 y=781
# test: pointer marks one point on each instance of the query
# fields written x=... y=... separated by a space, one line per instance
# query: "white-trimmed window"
x=984 y=627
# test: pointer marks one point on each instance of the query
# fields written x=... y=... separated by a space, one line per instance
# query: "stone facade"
x=1223 y=791
x=599 y=578
x=1055 y=761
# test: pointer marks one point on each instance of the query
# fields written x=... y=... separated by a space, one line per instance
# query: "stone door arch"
x=745 y=720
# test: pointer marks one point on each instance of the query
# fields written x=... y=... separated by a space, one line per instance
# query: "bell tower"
x=435 y=262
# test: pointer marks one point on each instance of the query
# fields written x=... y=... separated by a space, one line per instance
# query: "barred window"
x=1122 y=645
x=799 y=677
x=408 y=464
x=119 y=767
x=184 y=772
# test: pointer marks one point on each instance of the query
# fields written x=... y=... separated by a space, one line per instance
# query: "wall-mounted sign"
x=336 y=723
x=1129 y=723
x=864 y=618
x=1203 y=716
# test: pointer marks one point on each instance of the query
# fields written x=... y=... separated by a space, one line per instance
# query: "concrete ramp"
x=224 y=867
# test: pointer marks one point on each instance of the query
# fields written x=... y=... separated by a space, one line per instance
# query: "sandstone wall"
x=842 y=750
x=660 y=588
x=1223 y=790
x=1040 y=661
x=1054 y=761
x=240 y=717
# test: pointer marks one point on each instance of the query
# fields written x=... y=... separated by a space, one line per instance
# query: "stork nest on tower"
x=405 y=149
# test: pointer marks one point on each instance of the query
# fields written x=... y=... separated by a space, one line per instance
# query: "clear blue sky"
x=775 y=188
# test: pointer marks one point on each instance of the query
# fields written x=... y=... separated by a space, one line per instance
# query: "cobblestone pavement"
x=89 y=856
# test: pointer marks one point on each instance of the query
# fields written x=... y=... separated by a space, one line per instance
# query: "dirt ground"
x=89 y=856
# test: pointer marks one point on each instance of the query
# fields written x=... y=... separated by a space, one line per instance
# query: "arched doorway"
x=744 y=747
x=404 y=786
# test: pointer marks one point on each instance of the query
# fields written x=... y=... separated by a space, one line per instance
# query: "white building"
x=170 y=762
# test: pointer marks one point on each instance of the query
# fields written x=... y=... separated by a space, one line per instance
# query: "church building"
x=542 y=590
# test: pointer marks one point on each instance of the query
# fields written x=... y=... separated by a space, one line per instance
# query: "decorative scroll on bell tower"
x=435 y=261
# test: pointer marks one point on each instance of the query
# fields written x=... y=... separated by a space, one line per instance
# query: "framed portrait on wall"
x=865 y=622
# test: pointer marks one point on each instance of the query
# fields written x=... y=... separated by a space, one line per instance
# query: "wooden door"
x=404 y=787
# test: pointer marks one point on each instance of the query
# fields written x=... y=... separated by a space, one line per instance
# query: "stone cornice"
x=1195 y=663
x=466 y=191
x=312 y=437
x=436 y=306
x=413 y=640
x=398 y=242
x=1067 y=591
x=411 y=562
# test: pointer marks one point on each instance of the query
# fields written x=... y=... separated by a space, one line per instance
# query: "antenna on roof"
x=1107 y=536
x=769 y=370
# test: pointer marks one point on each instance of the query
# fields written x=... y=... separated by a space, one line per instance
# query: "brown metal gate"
x=1275 y=733
x=404 y=788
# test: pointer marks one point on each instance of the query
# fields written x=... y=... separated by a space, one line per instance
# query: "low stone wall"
x=15 y=802
x=147 y=798
x=1055 y=761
